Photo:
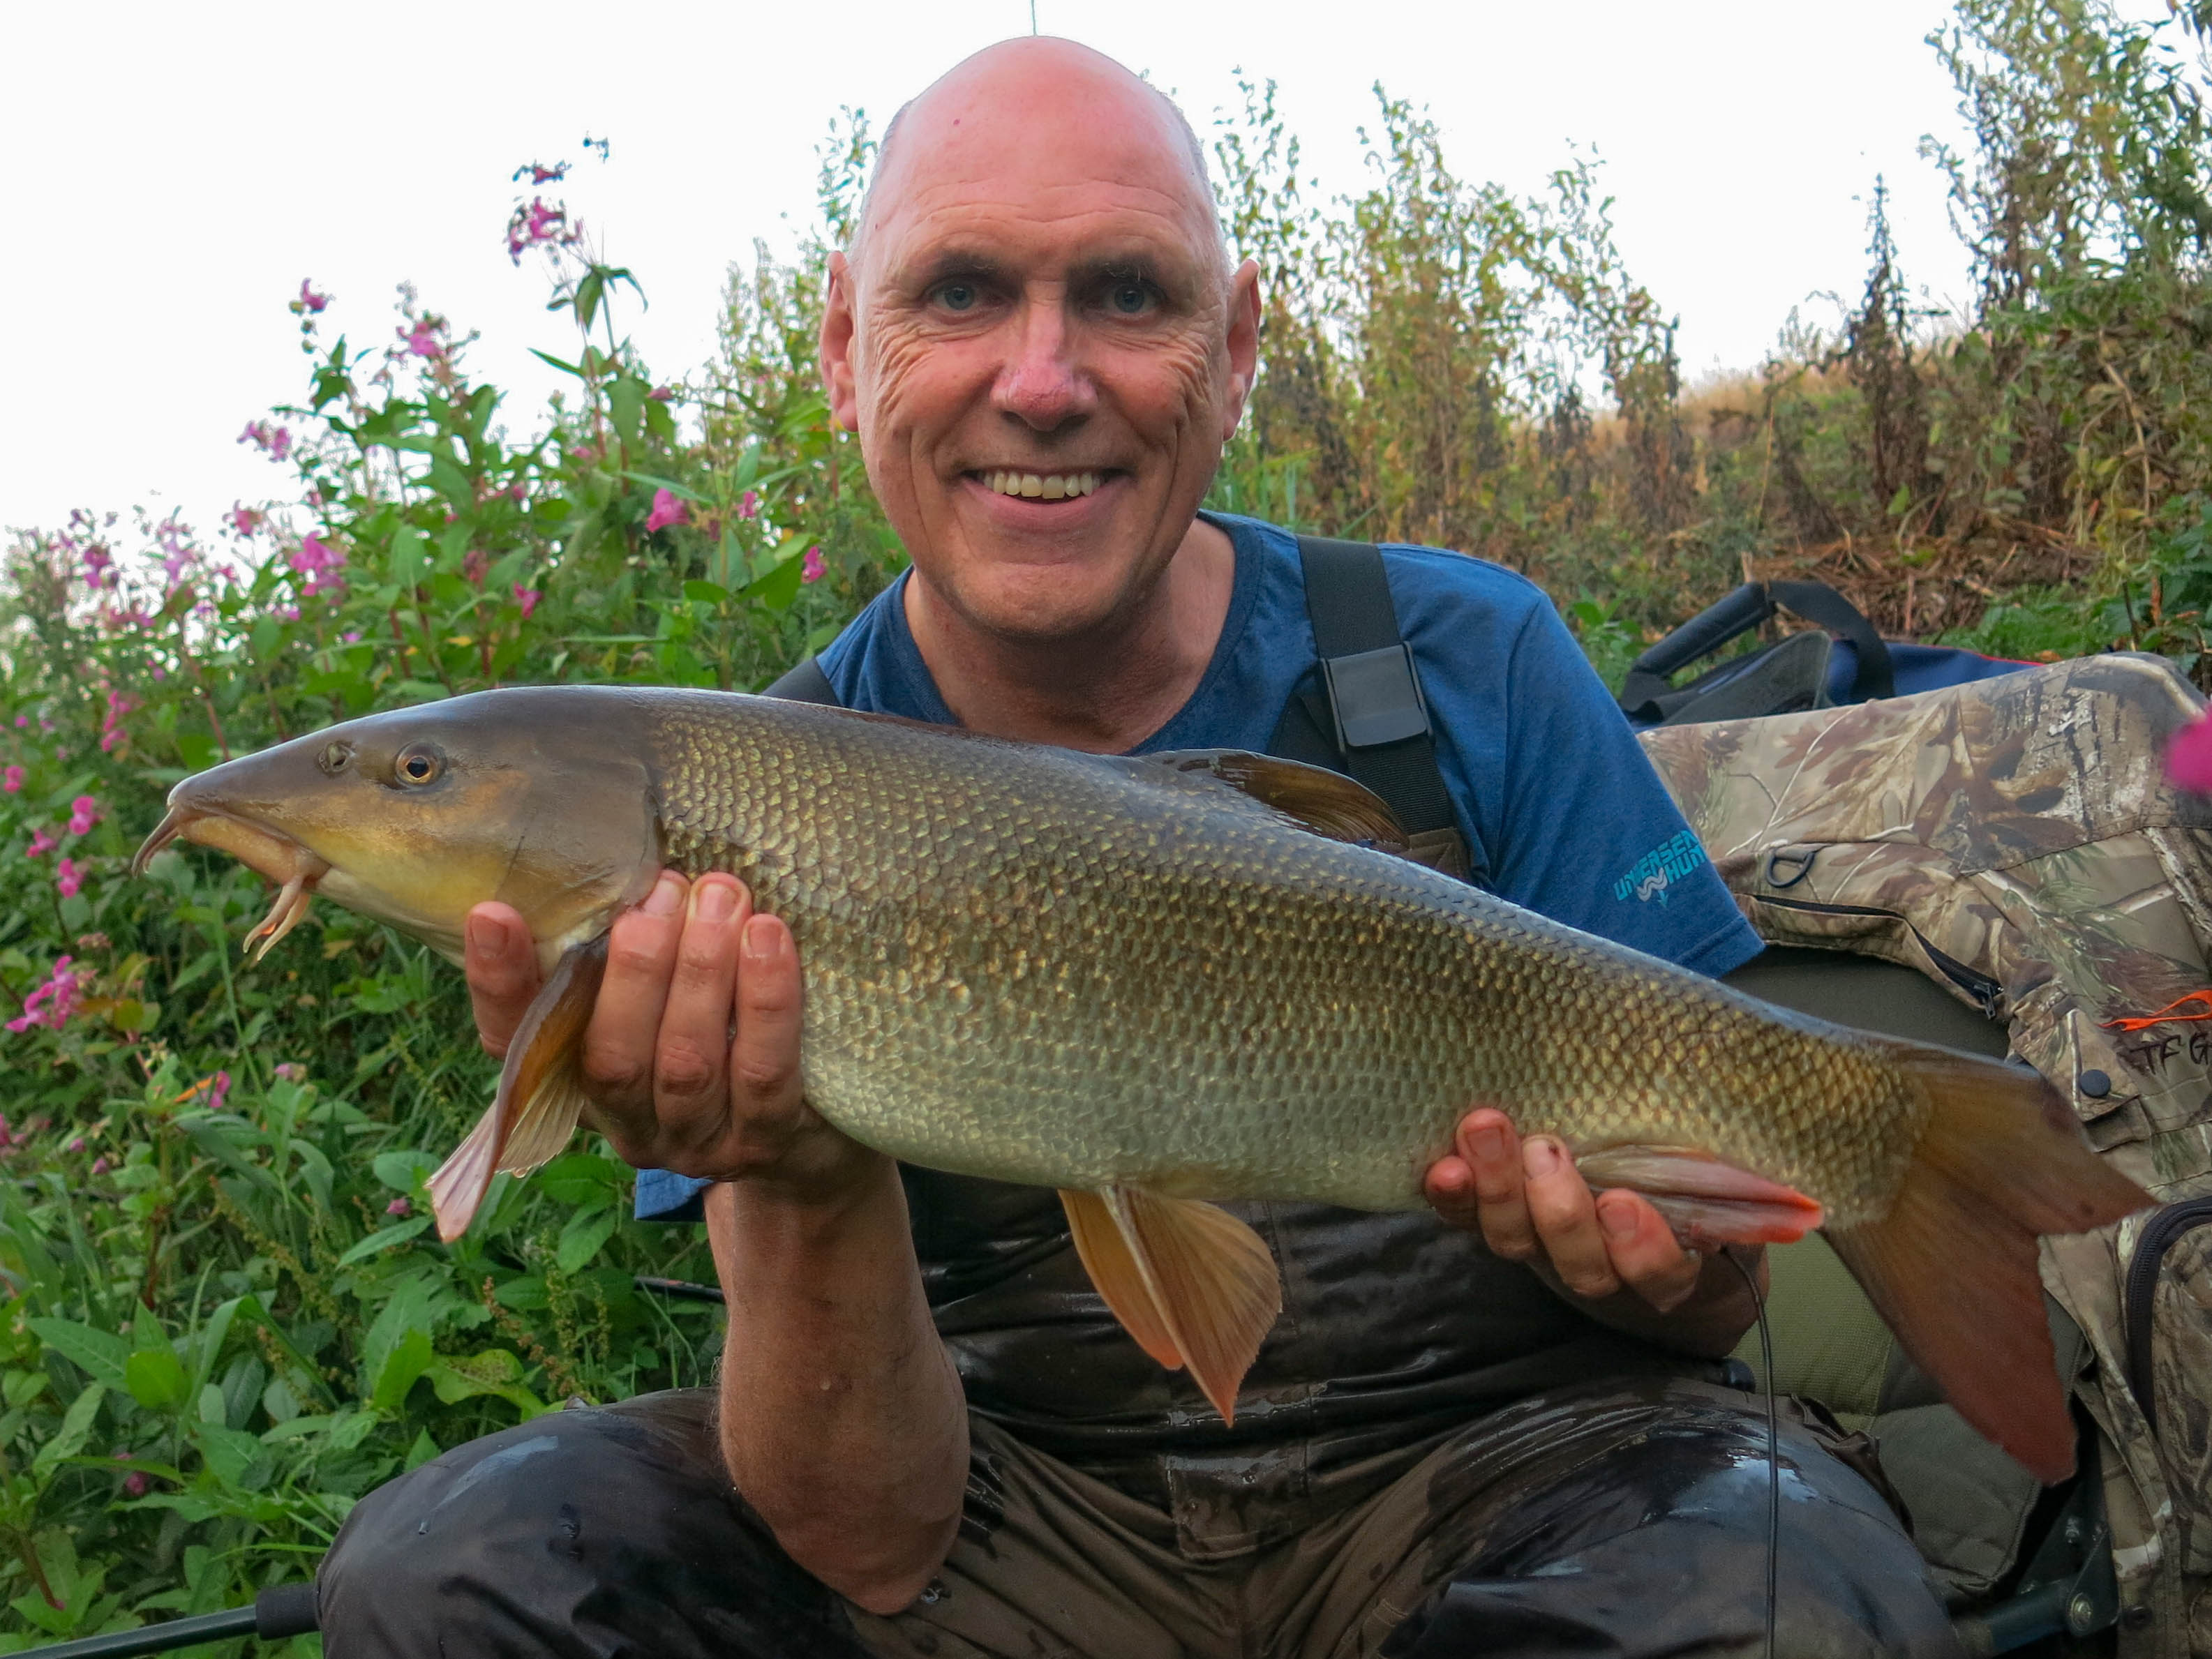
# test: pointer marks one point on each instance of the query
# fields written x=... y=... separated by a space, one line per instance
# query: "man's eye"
x=958 y=296
x=1130 y=299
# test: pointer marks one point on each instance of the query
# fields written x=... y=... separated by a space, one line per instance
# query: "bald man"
x=1501 y=1428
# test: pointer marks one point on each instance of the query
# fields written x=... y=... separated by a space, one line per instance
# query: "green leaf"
x=626 y=403
x=406 y=1362
x=404 y=1171
x=101 y=1353
x=495 y=1372
x=703 y=592
x=582 y=1179
x=232 y=1455
x=408 y=554
x=581 y=1239
x=776 y=590
x=555 y=362
x=383 y=1239
x=668 y=484
x=155 y=1378
x=77 y=1425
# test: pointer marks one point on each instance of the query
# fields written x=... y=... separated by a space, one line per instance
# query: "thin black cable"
x=1773 y=1445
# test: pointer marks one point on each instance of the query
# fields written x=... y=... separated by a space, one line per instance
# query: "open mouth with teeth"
x=1039 y=486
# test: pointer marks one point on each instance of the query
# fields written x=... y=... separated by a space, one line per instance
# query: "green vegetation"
x=225 y=1317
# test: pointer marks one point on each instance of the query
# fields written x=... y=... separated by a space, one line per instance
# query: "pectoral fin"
x=1190 y=1282
x=540 y=1094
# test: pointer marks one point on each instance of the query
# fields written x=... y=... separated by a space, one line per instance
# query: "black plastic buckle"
x=1376 y=697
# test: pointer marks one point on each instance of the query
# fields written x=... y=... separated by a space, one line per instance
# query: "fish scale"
x=1299 y=1036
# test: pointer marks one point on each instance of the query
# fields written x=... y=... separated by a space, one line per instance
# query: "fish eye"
x=419 y=764
x=336 y=756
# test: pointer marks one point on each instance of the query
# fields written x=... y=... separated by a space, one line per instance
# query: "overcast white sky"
x=174 y=171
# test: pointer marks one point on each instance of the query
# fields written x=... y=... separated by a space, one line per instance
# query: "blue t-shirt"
x=1551 y=787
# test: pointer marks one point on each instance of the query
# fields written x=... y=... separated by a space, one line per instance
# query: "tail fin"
x=1953 y=1266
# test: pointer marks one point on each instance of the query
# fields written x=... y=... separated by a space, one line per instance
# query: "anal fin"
x=1190 y=1282
x=539 y=1098
x=1708 y=1202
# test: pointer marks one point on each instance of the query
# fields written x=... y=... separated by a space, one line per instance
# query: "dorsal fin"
x=1327 y=803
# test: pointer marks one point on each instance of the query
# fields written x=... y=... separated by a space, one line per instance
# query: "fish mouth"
x=294 y=868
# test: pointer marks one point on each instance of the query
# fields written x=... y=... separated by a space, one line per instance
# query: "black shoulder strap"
x=1376 y=722
x=806 y=683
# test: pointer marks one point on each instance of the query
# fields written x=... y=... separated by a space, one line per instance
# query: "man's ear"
x=839 y=325
x=1244 y=344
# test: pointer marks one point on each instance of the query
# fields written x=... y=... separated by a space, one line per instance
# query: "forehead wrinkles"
x=1044 y=235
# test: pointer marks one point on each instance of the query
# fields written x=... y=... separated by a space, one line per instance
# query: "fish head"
x=538 y=798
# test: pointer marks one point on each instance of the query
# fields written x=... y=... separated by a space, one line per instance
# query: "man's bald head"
x=1020 y=87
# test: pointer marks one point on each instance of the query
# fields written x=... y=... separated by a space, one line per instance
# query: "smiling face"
x=1039 y=341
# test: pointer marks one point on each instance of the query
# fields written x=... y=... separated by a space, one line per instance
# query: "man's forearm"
x=843 y=1419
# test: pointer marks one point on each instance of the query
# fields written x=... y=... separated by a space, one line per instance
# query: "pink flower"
x=12 y=780
x=135 y=1483
x=2188 y=757
x=22 y=721
x=244 y=520
x=291 y=1071
x=398 y=1207
x=112 y=737
x=77 y=1143
x=527 y=597
x=422 y=339
x=749 y=507
x=84 y=812
x=320 y=562
x=99 y=567
x=309 y=300
x=69 y=878
x=274 y=442
x=477 y=565
x=51 y=1004
x=99 y=1166
x=661 y=394
x=540 y=174
x=812 y=570
x=667 y=510
x=218 y=1089
x=42 y=843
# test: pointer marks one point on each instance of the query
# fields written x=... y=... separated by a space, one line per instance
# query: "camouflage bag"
x=2014 y=840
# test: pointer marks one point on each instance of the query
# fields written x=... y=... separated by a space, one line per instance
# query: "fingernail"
x=1620 y=1219
x=486 y=937
x=1539 y=1157
x=760 y=939
x=1489 y=1144
x=714 y=901
x=666 y=898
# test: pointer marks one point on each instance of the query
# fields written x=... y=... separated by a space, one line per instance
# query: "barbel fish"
x=1155 y=981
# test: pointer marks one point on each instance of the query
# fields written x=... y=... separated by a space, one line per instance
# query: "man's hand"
x=1610 y=1251
x=692 y=1057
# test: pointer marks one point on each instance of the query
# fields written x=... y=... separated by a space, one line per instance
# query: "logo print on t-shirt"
x=1651 y=876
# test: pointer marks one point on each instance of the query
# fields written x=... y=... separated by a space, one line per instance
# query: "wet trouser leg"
x=586 y=1533
x=1617 y=1521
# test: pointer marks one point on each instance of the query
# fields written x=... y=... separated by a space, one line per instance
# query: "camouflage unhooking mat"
x=2016 y=841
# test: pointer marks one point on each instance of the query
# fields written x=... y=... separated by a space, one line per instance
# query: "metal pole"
x=284 y=1610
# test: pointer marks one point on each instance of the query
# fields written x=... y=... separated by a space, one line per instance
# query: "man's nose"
x=1043 y=382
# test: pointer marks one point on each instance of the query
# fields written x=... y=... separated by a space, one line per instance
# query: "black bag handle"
x=1738 y=613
